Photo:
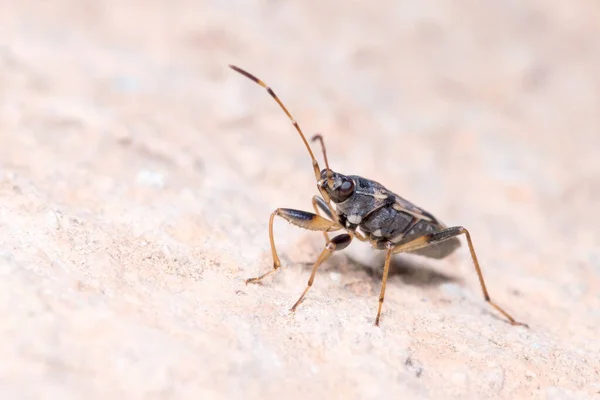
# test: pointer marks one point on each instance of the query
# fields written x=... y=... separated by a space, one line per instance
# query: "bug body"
x=369 y=212
x=383 y=216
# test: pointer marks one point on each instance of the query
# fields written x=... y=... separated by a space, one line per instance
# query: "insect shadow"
x=411 y=271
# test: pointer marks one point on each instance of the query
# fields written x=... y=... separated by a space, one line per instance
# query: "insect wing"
x=409 y=208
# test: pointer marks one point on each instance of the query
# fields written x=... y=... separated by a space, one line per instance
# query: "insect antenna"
x=319 y=137
x=248 y=75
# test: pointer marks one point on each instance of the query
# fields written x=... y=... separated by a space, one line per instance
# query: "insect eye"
x=346 y=188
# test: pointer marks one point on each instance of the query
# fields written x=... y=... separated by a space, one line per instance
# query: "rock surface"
x=137 y=175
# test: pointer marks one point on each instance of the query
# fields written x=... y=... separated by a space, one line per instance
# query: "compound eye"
x=346 y=188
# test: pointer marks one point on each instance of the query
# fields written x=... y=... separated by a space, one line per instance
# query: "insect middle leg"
x=386 y=270
x=438 y=237
x=339 y=242
x=299 y=218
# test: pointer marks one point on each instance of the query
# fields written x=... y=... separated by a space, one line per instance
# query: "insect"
x=369 y=212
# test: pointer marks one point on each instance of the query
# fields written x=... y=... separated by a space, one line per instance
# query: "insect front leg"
x=339 y=242
x=320 y=205
x=299 y=218
x=446 y=234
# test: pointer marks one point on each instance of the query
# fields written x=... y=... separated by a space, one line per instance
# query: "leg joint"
x=340 y=242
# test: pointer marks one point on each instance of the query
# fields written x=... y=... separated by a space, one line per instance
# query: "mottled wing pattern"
x=402 y=204
x=428 y=224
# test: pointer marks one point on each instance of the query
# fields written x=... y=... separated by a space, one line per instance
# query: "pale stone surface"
x=137 y=174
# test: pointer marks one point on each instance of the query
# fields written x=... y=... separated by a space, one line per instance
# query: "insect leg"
x=386 y=270
x=446 y=234
x=318 y=201
x=320 y=205
x=299 y=218
x=360 y=236
x=339 y=242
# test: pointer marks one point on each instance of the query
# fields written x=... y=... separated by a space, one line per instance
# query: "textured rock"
x=137 y=175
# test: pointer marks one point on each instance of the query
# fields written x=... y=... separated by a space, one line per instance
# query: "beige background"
x=137 y=175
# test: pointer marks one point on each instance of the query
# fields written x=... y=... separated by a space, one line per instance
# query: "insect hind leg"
x=447 y=234
x=301 y=219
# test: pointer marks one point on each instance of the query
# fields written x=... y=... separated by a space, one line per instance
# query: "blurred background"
x=138 y=173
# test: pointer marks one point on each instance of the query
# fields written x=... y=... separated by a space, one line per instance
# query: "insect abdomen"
x=437 y=250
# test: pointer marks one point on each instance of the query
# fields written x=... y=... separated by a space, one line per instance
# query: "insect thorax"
x=368 y=197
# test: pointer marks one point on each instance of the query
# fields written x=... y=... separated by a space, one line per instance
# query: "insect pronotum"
x=369 y=212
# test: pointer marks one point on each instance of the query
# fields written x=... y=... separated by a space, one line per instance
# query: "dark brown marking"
x=247 y=75
x=341 y=241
